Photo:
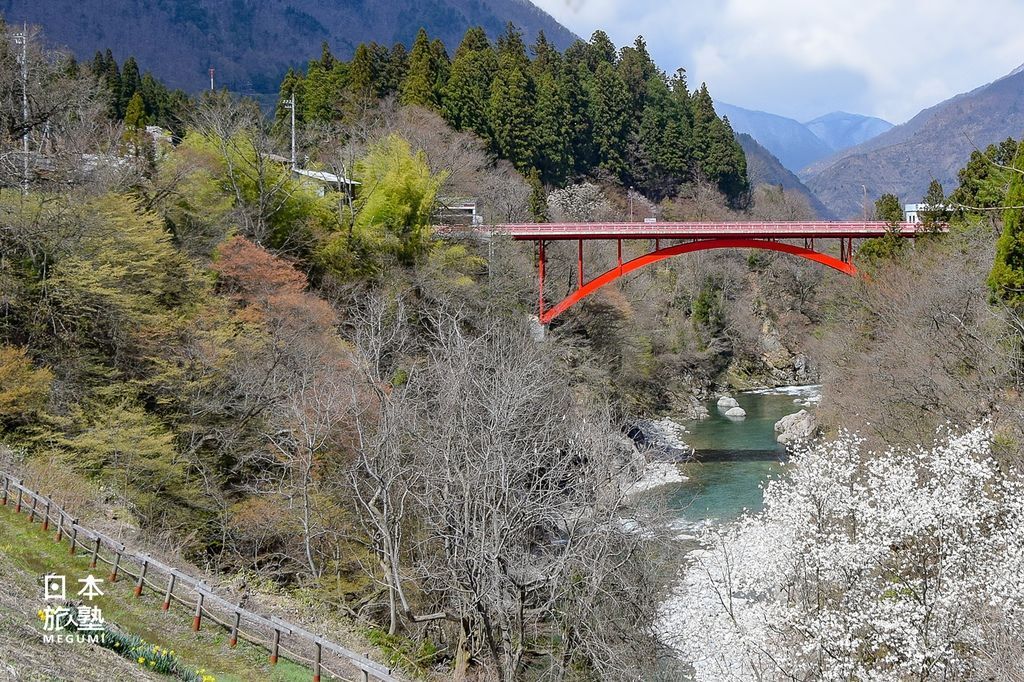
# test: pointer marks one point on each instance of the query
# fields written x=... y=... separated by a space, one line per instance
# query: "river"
x=733 y=458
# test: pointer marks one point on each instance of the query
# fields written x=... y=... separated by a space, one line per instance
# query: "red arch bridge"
x=672 y=239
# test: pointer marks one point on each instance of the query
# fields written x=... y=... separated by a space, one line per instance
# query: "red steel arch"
x=586 y=289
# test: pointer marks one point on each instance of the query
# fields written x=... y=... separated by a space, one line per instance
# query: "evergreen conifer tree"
x=511 y=112
x=131 y=80
x=466 y=95
x=394 y=66
x=512 y=47
x=1007 y=277
x=135 y=113
x=609 y=114
x=574 y=85
x=420 y=83
x=935 y=213
x=545 y=56
x=716 y=153
x=552 y=141
x=364 y=72
x=600 y=51
x=474 y=40
x=636 y=68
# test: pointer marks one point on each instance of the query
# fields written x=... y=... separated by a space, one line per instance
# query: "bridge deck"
x=709 y=230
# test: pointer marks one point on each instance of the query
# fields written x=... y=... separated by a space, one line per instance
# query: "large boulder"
x=736 y=413
x=725 y=402
x=796 y=427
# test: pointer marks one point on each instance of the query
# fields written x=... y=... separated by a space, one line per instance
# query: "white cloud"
x=803 y=58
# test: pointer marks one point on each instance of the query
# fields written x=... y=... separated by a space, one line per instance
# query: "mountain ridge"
x=788 y=140
x=251 y=44
x=764 y=169
x=842 y=130
x=933 y=145
x=796 y=144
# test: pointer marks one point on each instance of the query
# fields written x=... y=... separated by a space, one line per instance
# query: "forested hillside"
x=592 y=110
x=251 y=44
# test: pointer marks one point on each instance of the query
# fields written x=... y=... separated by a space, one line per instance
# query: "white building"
x=912 y=212
x=324 y=180
x=457 y=211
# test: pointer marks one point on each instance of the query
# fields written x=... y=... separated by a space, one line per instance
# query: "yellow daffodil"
x=142 y=659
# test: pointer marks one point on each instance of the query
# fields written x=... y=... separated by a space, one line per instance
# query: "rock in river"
x=727 y=402
x=736 y=413
x=796 y=427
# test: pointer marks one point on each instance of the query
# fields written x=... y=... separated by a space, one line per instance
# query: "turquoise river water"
x=733 y=458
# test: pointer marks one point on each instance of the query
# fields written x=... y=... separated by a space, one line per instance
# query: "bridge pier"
x=579 y=263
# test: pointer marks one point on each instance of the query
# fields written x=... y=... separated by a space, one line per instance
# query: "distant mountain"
x=841 y=130
x=935 y=144
x=790 y=141
x=251 y=43
x=764 y=169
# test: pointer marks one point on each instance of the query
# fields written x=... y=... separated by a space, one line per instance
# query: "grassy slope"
x=26 y=554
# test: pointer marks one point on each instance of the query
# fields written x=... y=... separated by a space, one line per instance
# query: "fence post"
x=117 y=564
x=17 y=507
x=167 y=597
x=197 y=620
x=46 y=519
x=60 y=526
x=234 y=629
x=275 y=647
x=95 y=553
x=365 y=674
x=142 y=578
x=316 y=662
x=74 y=534
x=7 y=482
x=32 y=512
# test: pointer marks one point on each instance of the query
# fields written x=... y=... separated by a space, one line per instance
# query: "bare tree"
x=383 y=475
x=518 y=493
x=259 y=179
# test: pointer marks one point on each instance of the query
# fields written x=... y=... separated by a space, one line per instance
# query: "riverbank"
x=723 y=462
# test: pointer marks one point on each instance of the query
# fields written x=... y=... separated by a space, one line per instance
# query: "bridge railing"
x=278 y=636
x=692 y=230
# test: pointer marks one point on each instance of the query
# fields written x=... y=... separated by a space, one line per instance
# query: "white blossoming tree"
x=580 y=203
x=864 y=566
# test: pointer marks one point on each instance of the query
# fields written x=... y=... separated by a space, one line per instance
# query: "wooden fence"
x=276 y=635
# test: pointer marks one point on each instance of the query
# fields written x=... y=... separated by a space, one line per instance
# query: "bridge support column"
x=540 y=271
x=579 y=263
x=620 y=254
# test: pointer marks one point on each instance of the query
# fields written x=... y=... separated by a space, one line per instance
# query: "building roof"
x=324 y=177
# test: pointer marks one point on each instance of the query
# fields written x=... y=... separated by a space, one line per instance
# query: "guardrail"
x=278 y=636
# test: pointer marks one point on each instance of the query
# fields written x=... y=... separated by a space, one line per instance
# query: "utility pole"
x=291 y=105
x=22 y=39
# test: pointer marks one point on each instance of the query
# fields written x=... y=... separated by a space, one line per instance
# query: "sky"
x=805 y=58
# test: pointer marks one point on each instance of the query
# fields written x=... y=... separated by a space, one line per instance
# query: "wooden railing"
x=277 y=636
